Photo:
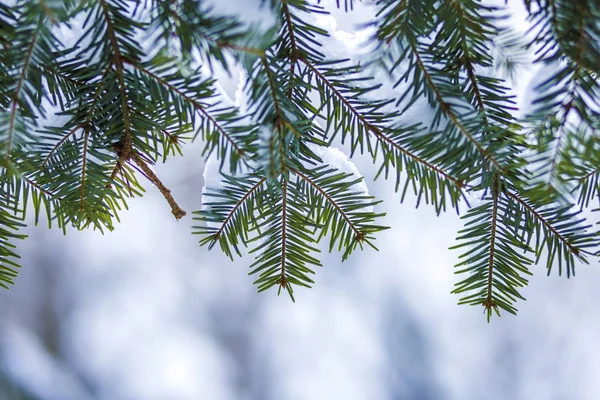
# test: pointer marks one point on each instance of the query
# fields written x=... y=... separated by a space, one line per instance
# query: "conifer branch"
x=50 y=70
x=375 y=130
x=558 y=147
x=118 y=63
x=17 y=94
x=445 y=107
x=125 y=105
x=562 y=38
x=467 y=62
x=476 y=90
x=40 y=188
x=236 y=207
x=272 y=86
x=292 y=128
x=83 y=167
x=294 y=50
x=576 y=251
x=60 y=143
x=587 y=186
x=489 y=300
x=84 y=124
x=566 y=107
x=114 y=172
x=278 y=120
x=282 y=279
x=197 y=106
x=330 y=200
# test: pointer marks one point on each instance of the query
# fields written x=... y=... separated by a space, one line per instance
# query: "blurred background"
x=143 y=313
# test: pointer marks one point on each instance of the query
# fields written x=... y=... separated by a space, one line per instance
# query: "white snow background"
x=142 y=313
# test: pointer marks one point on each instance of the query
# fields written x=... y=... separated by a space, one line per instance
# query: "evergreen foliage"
x=83 y=121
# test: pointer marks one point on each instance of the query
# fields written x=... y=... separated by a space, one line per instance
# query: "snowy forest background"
x=142 y=313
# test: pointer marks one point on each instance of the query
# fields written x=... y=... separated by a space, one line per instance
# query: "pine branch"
x=565 y=37
x=284 y=259
x=294 y=50
x=83 y=167
x=278 y=146
x=544 y=222
x=275 y=140
x=443 y=71
x=17 y=93
x=396 y=144
x=122 y=104
x=559 y=231
x=472 y=35
x=272 y=87
x=117 y=61
x=36 y=186
x=233 y=211
x=234 y=214
x=283 y=282
x=62 y=88
x=193 y=102
x=586 y=174
x=312 y=202
x=447 y=109
x=373 y=129
x=494 y=261
x=346 y=216
x=567 y=107
x=357 y=233
x=9 y=228
x=195 y=27
x=489 y=302
x=82 y=125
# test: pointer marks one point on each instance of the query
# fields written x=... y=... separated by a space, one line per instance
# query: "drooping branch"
x=84 y=124
x=84 y=160
x=17 y=94
x=294 y=50
x=235 y=208
x=568 y=106
x=118 y=63
x=446 y=109
x=375 y=130
x=489 y=302
x=279 y=117
x=467 y=62
x=272 y=86
x=282 y=278
x=330 y=200
x=193 y=102
x=545 y=223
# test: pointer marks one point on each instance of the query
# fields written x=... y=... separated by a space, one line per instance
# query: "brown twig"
x=177 y=211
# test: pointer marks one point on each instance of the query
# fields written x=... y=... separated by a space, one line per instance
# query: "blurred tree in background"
x=94 y=93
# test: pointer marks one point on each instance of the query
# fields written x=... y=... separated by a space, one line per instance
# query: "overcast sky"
x=143 y=313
